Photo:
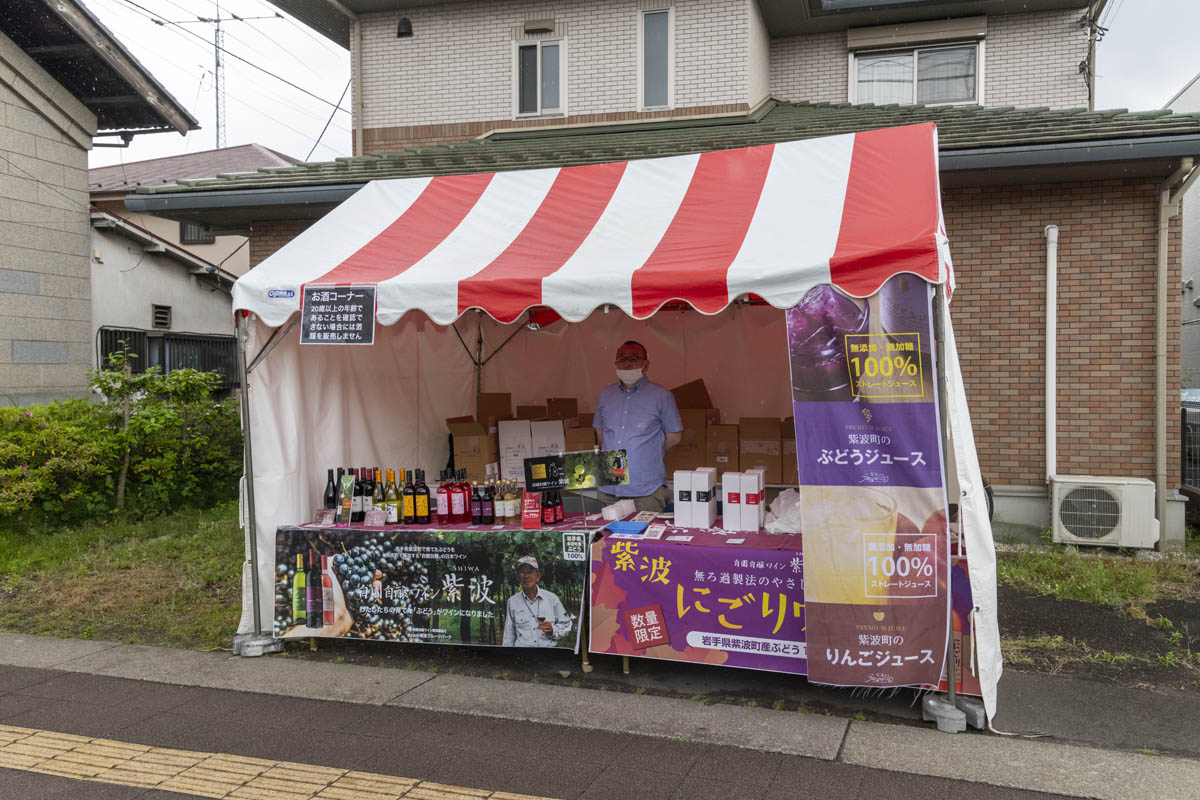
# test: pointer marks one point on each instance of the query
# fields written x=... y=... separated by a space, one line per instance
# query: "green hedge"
x=62 y=461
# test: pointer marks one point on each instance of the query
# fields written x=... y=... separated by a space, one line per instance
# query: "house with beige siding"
x=65 y=85
x=1078 y=386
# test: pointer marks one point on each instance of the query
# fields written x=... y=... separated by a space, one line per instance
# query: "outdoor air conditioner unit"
x=1113 y=512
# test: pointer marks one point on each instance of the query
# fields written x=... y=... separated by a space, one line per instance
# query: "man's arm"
x=672 y=439
x=510 y=631
x=562 y=621
x=672 y=425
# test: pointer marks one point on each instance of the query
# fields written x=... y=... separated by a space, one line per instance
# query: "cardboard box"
x=683 y=498
x=516 y=445
x=586 y=420
x=531 y=412
x=580 y=439
x=493 y=407
x=474 y=448
x=731 y=501
x=694 y=396
x=759 y=446
x=549 y=438
x=753 y=513
x=690 y=452
x=562 y=408
x=787 y=441
x=704 y=497
x=721 y=448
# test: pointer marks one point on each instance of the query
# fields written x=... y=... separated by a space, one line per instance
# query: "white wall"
x=759 y=54
x=230 y=252
x=127 y=282
x=1188 y=102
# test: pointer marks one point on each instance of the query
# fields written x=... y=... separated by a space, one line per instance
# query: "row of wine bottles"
x=312 y=592
x=455 y=500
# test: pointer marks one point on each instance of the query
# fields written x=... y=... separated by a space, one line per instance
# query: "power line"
x=318 y=141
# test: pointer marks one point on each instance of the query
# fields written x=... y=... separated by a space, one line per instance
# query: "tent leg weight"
x=936 y=708
x=252 y=645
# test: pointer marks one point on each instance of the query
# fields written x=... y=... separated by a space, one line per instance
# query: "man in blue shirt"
x=639 y=417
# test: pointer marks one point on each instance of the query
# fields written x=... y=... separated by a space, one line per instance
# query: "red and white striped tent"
x=693 y=231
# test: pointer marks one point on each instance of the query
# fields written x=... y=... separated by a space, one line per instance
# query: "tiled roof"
x=125 y=178
x=959 y=128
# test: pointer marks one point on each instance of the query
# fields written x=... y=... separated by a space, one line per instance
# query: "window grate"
x=162 y=317
x=190 y=233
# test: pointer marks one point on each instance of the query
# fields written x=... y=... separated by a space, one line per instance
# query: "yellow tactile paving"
x=222 y=776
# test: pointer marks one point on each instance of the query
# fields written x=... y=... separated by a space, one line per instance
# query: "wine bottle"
x=410 y=499
x=487 y=510
x=476 y=505
x=368 y=490
x=315 y=612
x=326 y=592
x=547 y=509
x=299 y=595
x=560 y=512
x=356 y=507
x=443 y=499
x=422 y=499
x=380 y=499
x=460 y=504
x=391 y=499
x=330 y=499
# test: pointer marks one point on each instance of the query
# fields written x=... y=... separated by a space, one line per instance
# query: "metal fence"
x=170 y=351
x=1189 y=449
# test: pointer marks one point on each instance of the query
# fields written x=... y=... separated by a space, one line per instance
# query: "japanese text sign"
x=337 y=315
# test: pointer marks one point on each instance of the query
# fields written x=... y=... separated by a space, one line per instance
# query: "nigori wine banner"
x=872 y=502
x=504 y=588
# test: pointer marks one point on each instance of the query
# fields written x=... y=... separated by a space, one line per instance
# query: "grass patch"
x=172 y=580
x=1106 y=579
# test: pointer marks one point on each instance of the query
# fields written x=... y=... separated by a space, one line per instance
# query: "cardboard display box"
x=694 y=395
x=548 y=437
x=704 y=497
x=474 y=448
x=690 y=452
x=580 y=439
x=562 y=408
x=759 y=446
x=721 y=448
x=516 y=445
x=586 y=420
x=682 y=484
x=787 y=440
x=531 y=412
x=493 y=407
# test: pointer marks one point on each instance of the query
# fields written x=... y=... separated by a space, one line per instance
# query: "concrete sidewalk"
x=1040 y=765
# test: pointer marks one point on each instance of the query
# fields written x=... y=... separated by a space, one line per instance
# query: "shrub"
x=157 y=444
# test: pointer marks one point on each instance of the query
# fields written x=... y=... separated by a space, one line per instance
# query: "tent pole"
x=939 y=333
x=256 y=643
x=478 y=361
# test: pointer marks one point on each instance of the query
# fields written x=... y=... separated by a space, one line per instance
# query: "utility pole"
x=218 y=58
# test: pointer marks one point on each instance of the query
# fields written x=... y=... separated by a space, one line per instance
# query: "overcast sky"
x=1148 y=55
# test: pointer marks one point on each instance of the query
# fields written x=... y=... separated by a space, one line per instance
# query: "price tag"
x=375 y=518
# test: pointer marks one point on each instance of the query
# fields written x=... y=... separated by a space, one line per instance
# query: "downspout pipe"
x=1168 y=208
x=1051 y=233
x=356 y=95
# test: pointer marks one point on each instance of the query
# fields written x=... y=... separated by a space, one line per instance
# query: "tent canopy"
x=704 y=229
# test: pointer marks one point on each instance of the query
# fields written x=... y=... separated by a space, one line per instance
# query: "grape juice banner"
x=873 y=505
x=732 y=601
x=478 y=587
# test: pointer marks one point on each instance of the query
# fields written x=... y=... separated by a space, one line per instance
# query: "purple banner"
x=868 y=451
x=706 y=604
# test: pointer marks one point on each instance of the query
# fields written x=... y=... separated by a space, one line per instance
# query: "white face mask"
x=629 y=376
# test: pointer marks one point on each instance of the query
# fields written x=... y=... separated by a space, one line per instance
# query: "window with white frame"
x=540 y=71
x=656 y=59
x=929 y=75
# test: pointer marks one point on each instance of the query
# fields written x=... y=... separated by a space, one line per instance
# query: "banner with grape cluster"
x=503 y=588
x=872 y=500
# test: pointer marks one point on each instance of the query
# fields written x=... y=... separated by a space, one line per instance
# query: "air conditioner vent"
x=1090 y=512
x=1113 y=512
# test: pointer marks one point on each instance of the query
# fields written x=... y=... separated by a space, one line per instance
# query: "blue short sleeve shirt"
x=637 y=421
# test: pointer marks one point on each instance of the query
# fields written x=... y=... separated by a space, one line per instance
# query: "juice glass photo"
x=817 y=328
x=833 y=521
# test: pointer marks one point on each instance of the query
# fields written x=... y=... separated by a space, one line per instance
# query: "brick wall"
x=1106 y=284
x=458 y=65
x=45 y=298
x=267 y=237
x=1030 y=60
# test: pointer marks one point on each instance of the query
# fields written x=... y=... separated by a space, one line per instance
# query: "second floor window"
x=921 y=75
x=539 y=71
x=655 y=56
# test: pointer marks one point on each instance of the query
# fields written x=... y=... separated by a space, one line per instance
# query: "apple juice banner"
x=736 y=605
x=873 y=505
x=506 y=588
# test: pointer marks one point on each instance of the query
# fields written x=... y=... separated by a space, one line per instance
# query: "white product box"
x=761 y=474
x=683 y=498
x=516 y=445
x=704 y=497
x=752 y=487
x=731 y=501
x=549 y=438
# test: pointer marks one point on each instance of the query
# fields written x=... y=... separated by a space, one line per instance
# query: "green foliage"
x=64 y=461
x=1107 y=579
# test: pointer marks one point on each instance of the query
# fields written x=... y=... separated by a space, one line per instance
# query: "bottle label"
x=409 y=506
x=357 y=505
x=368 y=504
x=548 y=515
x=393 y=512
x=458 y=504
x=298 y=603
x=443 y=504
x=476 y=508
x=422 y=505
x=327 y=603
